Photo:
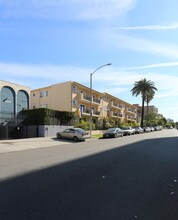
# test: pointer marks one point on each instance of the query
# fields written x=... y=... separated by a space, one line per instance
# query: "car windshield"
x=111 y=129
x=126 y=128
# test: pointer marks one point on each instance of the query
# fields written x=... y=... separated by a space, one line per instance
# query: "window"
x=74 y=87
x=74 y=102
x=33 y=94
x=43 y=93
x=72 y=131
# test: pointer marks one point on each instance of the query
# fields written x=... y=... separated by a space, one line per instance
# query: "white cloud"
x=151 y=27
x=108 y=79
x=117 y=39
x=156 y=65
x=71 y=9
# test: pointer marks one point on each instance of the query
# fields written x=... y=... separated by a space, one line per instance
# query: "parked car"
x=152 y=129
x=138 y=130
x=128 y=130
x=158 y=128
x=74 y=134
x=113 y=132
x=146 y=129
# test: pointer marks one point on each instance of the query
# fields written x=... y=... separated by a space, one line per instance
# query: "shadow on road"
x=137 y=181
x=66 y=140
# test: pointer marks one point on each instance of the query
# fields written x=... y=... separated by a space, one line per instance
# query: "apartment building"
x=13 y=98
x=150 y=109
x=75 y=97
x=118 y=110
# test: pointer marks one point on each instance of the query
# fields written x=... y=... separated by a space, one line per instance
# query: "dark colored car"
x=113 y=133
x=74 y=134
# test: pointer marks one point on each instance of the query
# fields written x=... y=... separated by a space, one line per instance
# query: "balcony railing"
x=96 y=113
x=98 y=101
x=115 y=114
x=131 y=118
x=131 y=110
x=86 y=111
x=117 y=105
x=85 y=97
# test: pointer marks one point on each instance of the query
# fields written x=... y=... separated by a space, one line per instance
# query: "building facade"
x=13 y=98
x=150 y=109
x=75 y=97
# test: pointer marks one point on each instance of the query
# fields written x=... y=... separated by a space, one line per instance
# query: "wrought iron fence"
x=10 y=117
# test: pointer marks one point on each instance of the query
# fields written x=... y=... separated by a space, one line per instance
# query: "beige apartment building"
x=75 y=97
x=119 y=110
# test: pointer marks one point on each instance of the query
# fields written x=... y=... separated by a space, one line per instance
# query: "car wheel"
x=59 y=136
x=75 y=139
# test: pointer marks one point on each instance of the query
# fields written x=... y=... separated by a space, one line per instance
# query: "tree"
x=148 y=97
x=143 y=87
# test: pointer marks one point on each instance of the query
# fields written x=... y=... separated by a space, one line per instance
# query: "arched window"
x=8 y=100
x=22 y=100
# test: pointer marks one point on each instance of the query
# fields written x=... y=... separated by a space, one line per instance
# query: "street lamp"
x=91 y=74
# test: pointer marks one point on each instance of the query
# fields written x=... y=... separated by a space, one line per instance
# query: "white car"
x=152 y=129
x=128 y=130
x=74 y=134
x=138 y=130
x=146 y=129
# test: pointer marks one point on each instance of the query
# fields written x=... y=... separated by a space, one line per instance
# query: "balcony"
x=116 y=114
x=96 y=113
x=131 y=110
x=85 y=97
x=86 y=111
x=116 y=105
x=96 y=101
x=131 y=118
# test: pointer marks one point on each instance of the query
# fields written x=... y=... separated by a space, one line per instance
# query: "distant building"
x=150 y=109
x=170 y=120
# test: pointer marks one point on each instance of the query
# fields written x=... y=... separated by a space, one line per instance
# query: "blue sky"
x=43 y=42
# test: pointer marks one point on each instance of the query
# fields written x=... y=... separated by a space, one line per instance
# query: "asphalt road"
x=127 y=178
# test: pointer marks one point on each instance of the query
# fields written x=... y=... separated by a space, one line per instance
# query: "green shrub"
x=44 y=116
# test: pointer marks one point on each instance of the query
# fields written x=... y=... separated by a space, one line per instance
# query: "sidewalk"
x=29 y=143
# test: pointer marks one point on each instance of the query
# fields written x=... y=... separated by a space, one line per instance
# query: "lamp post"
x=91 y=74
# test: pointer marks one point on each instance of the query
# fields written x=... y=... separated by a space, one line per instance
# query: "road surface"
x=127 y=178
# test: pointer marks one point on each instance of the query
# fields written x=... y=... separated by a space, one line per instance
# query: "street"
x=133 y=177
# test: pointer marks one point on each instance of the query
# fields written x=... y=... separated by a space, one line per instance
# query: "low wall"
x=97 y=131
x=50 y=130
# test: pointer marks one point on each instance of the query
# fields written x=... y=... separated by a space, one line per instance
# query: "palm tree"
x=143 y=87
x=149 y=96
